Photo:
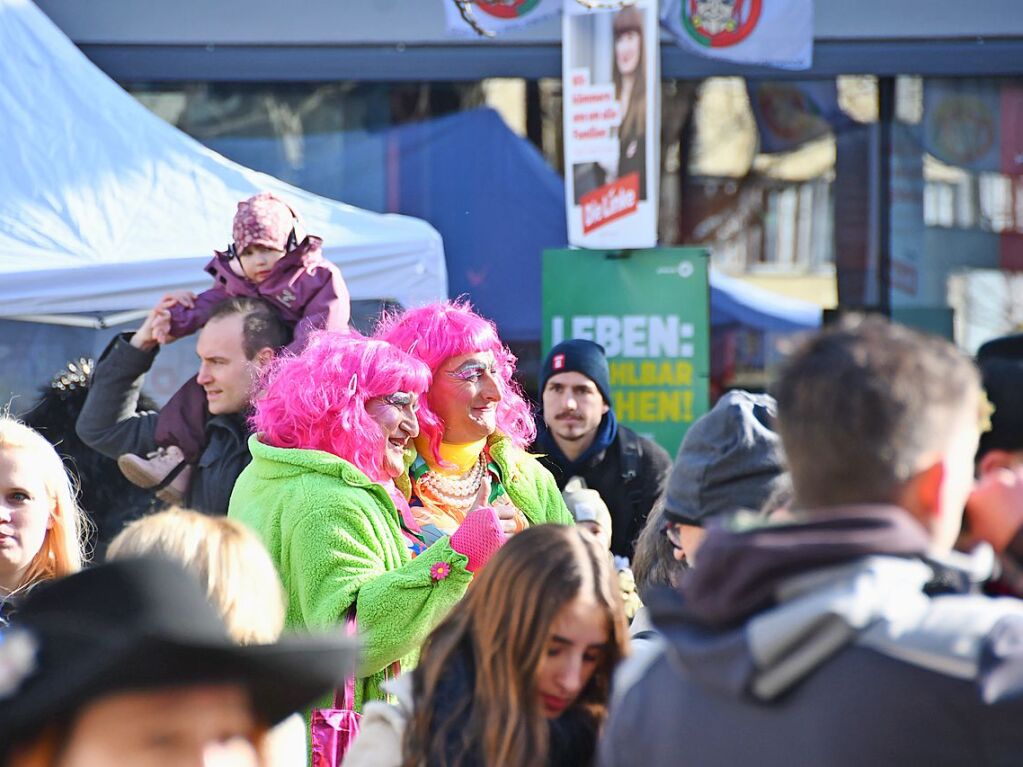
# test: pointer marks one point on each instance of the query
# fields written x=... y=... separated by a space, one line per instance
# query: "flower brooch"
x=440 y=571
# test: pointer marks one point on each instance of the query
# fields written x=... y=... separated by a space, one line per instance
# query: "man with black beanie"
x=579 y=436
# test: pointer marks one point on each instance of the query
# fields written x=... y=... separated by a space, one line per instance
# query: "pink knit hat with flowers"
x=262 y=220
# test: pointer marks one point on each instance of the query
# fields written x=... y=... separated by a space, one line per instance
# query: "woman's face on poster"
x=628 y=49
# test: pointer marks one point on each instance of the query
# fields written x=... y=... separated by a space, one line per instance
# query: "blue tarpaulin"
x=491 y=195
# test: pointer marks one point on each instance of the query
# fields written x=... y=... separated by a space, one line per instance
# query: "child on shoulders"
x=271 y=257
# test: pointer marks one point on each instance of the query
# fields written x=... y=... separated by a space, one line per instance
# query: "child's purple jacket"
x=306 y=289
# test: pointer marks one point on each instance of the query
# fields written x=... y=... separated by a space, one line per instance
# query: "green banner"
x=649 y=309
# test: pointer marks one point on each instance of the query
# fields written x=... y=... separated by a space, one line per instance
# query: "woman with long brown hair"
x=629 y=75
x=519 y=672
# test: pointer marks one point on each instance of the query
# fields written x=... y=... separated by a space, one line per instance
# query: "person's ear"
x=606 y=407
x=927 y=486
x=996 y=459
x=263 y=357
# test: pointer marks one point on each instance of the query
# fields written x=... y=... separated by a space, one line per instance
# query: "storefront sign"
x=612 y=124
x=649 y=310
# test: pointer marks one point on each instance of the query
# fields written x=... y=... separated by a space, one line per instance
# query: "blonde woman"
x=42 y=528
x=240 y=582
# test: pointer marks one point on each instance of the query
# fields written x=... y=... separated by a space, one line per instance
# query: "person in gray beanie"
x=731 y=459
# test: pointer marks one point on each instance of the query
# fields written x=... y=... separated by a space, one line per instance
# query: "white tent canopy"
x=104 y=206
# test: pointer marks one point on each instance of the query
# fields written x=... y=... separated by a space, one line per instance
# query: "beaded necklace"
x=457 y=493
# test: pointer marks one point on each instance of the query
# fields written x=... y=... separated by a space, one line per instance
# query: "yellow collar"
x=457 y=459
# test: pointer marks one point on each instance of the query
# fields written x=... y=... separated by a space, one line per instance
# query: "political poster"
x=498 y=16
x=777 y=33
x=650 y=312
x=612 y=119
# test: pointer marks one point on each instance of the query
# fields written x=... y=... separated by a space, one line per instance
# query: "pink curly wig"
x=309 y=401
x=437 y=332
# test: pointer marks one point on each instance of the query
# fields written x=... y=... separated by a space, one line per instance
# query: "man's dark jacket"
x=832 y=641
x=629 y=474
x=110 y=424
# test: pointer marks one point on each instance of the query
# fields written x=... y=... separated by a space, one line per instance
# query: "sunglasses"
x=673 y=532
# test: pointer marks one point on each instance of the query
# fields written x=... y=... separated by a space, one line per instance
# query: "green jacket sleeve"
x=348 y=549
x=399 y=609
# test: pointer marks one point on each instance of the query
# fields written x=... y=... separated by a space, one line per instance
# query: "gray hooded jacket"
x=827 y=642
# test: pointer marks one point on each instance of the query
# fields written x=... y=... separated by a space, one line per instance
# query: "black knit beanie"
x=578 y=356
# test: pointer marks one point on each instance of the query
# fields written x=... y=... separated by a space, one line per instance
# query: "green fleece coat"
x=530 y=486
x=335 y=537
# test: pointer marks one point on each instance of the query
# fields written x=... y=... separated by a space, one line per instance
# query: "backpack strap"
x=631 y=451
x=632 y=454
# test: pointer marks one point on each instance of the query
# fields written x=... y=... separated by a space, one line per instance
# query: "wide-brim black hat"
x=144 y=624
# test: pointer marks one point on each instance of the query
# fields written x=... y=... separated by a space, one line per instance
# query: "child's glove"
x=478 y=537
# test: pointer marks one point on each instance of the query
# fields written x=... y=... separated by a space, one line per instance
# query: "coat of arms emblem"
x=720 y=23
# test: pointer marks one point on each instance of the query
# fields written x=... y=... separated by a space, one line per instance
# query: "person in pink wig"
x=475 y=426
x=331 y=428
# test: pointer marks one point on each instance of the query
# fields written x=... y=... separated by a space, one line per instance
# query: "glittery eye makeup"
x=473 y=370
x=401 y=399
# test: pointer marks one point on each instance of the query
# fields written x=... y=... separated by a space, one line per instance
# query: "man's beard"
x=574 y=437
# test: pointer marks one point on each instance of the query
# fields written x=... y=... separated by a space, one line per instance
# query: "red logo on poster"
x=610 y=202
x=558 y=362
